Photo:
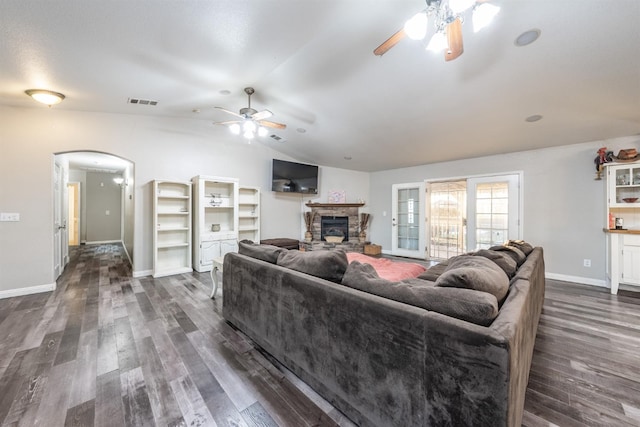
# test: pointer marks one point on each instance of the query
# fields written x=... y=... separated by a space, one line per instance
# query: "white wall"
x=160 y=148
x=564 y=207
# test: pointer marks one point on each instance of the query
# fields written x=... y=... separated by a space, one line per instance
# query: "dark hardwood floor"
x=107 y=349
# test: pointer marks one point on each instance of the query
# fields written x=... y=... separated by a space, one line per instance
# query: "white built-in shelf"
x=172 y=233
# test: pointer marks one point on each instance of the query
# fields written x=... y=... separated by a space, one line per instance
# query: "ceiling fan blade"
x=454 y=38
x=389 y=43
x=230 y=112
x=272 y=124
x=228 y=122
x=260 y=115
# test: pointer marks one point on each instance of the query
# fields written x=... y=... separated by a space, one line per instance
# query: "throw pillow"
x=504 y=261
x=329 y=265
x=525 y=247
x=266 y=253
x=475 y=272
x=464 y=304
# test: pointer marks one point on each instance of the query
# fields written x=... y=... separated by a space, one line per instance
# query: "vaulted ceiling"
x=312 y=65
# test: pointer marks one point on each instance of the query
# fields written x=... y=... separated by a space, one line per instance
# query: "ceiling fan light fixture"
x=235 y=129
x=44 y=96
x=459 y=6
x=248 y=134
x=438 y=42
x=249 y=126
x=416 y=26
x=483 y=14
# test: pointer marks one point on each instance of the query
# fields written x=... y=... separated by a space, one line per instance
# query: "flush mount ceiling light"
x=44 y=96
x=448 y=17
x=533 y=118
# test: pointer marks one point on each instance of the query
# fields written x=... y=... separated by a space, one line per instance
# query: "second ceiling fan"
x=448 y=16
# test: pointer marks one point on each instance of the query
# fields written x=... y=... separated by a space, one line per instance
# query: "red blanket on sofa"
x=387 y=269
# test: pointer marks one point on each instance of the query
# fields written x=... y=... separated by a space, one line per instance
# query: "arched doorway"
x=104 y=198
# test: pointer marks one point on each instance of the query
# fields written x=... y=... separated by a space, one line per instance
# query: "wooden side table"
x=217 y=266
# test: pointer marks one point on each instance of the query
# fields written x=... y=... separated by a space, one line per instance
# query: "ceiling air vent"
x=140 y=101
x=277 y=138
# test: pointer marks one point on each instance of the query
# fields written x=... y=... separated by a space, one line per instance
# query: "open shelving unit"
x=172 y=228
x=249 y=213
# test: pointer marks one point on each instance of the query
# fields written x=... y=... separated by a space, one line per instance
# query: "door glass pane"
x=408 y=211
x=447 y=218
x=492 y=214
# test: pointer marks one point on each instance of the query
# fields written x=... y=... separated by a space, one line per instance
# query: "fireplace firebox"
x=334 y=226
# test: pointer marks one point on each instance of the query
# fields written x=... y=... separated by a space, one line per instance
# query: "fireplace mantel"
x=334 y=205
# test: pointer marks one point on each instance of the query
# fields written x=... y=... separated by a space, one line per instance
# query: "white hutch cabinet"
x=215 y=224
x=249 y=213
x=171 y=228
x=623 y=224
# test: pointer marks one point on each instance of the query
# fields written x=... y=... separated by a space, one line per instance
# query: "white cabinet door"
x=227 y=246
x=208 y=251
x=631 y=265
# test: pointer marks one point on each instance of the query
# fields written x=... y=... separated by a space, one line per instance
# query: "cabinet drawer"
x=631 y=240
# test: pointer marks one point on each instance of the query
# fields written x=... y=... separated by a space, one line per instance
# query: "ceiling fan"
x=250 y=121
x=448 y=18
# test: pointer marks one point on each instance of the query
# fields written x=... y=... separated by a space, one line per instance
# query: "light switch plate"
x=9 y=217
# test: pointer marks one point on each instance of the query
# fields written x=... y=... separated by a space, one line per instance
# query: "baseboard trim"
x=142 y=273
x=102 y=242
x=126 y=252
x=576 y=279
x=27 y=291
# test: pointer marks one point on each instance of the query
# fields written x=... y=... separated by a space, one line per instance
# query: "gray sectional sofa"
x=434 y=350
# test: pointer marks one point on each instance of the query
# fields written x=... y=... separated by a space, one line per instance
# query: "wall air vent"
x=277 y=138
x=140 y=101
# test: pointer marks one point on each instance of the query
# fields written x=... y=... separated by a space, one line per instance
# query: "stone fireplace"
x=334 y=215
x=334 y=226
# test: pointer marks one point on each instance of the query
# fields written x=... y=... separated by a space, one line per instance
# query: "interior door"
x=74 y=213
x=58 y=225
x=408 y=219
x=493 y=210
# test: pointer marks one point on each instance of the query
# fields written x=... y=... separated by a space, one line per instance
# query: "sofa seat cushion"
x=475 y=272
x=328 y=265
x=464 y=304
x=434 y=271
x=266 y=253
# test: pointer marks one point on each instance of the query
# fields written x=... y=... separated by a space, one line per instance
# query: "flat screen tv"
x=291 y=177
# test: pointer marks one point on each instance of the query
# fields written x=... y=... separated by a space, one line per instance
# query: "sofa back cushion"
x=328 y=265
x=515 y=253
x=502 y=260
x=464 y=304
x=475 y=272
x=266 y=253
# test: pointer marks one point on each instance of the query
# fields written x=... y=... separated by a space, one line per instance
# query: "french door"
x=408 y=220
x=493 y=210
x=472 y=213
